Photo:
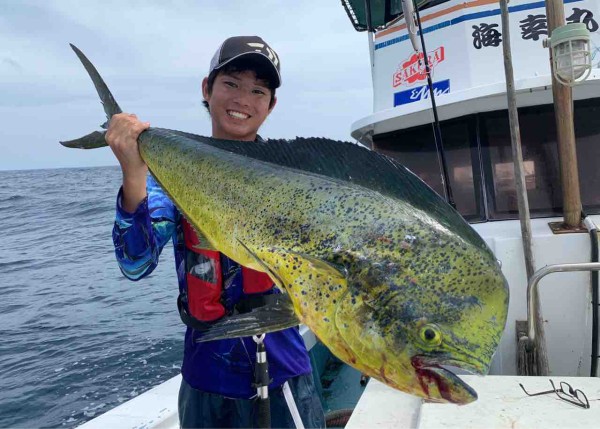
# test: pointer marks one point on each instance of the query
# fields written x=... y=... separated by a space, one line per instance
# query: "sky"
x=153 y=55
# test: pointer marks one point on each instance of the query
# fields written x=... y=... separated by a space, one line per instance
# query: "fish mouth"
x=440 y=384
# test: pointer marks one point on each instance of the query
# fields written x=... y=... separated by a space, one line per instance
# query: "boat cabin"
x=463 y=42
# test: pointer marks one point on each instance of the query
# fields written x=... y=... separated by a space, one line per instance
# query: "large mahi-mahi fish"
x=386 y=274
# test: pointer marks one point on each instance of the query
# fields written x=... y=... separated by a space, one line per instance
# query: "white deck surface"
x=501 y=404
x=156 y=408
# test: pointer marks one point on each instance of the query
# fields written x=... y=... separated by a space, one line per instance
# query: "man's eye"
x=259 y=91
x=230 y=84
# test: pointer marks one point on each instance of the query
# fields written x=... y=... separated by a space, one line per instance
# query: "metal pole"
x=522 y=200
x=368 y=16
x=593 y=230
x=371 y=46
x=367 y=137
x=515 y=138
x=565 y=129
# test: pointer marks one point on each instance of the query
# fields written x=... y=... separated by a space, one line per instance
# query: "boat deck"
x=501 y=404
x=156 y=408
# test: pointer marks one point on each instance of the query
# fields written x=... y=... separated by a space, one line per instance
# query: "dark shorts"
x=198 y=409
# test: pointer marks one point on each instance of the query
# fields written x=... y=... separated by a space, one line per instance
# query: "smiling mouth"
x=440 y=384
x=237 y=115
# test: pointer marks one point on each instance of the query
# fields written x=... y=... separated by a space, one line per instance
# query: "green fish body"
x=388 y=276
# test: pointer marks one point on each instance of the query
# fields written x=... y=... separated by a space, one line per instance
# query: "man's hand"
x=123 y=132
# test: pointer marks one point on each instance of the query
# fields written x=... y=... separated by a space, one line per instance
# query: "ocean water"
x=76 y=337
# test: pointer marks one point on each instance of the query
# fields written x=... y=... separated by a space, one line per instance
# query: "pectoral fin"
x=274 y=276
x=288 y=267
x=203 y=242
x=314 y=285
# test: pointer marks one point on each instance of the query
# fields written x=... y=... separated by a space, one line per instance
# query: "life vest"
x=205 y=282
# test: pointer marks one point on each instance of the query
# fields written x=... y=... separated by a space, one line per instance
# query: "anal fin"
x=277 y=314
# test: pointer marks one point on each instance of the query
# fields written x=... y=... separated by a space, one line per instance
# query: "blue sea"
x=76 y=337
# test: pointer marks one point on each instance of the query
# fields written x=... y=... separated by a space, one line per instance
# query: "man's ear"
x=205 y=93
x=273 y=106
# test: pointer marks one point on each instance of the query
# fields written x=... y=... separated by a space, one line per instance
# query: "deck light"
x=571 y=57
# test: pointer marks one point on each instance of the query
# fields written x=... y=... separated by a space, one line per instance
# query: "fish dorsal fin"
x=355 y=164
x=332 y=158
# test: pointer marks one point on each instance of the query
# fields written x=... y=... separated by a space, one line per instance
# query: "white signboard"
x=464 y=48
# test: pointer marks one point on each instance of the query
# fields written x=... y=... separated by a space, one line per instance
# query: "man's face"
x=239 y=104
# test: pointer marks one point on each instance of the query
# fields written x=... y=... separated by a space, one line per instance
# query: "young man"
x=216 y=390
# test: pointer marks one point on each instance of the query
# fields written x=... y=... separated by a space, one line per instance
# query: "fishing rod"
x=261 y=382
x=412 y=12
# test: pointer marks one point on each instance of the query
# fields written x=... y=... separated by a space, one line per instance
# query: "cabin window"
x=587 y=132
x=415 y=148
x=540 y=163
x=540 y=159
x=480 y=166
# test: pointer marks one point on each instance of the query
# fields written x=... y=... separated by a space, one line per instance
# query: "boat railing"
x=533 y=286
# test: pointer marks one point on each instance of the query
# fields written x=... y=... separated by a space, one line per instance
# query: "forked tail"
x=96 y=138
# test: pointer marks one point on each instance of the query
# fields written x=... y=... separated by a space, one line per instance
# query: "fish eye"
x=431 y=335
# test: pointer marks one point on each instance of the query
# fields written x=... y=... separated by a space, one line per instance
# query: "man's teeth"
x=237 y=115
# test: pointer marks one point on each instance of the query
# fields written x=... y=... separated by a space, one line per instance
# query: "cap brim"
x=270 y=66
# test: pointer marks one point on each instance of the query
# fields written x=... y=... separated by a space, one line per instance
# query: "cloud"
x=153 y=55
x=12 y=64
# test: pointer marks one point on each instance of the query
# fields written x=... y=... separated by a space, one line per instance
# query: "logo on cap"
x=270 y=53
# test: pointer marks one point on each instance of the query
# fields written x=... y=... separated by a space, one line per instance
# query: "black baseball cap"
x=236 y=47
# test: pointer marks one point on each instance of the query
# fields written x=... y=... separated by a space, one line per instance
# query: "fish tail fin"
x=96 y=138
x=91 y=141
x=108 y=101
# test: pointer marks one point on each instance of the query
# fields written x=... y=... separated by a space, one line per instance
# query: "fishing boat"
x=463 y=42
x=451 y=127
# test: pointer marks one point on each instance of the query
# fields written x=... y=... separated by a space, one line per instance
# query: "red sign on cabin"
x=413 y=69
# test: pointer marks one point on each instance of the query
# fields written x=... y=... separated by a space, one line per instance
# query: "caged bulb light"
x=571 y=56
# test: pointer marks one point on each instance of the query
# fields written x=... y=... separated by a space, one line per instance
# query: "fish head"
x=421 y=322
